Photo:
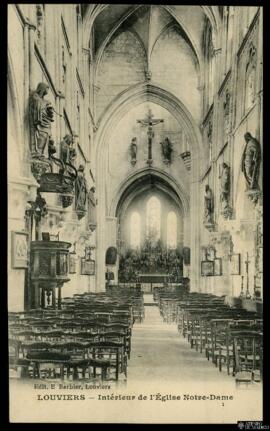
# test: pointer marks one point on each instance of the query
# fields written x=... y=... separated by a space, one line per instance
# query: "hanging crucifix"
x=149 y=122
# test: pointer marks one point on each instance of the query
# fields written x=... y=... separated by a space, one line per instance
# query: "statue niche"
x=166 y=149
x=133 y=151
x=225 y=190
x=251 y=160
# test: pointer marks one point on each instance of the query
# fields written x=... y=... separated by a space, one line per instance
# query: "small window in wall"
x=153 y=219
x=171 y=230
x=135 y=230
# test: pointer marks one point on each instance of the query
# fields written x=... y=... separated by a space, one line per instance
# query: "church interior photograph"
x=135 y=231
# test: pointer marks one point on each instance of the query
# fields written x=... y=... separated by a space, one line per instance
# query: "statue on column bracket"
x=225 y=190
x=41 y=115
x=166 y=148
x=81 y=193
x=133 y=151
x=227 y=107
x=251 y=160
x=208 y=208
x=92 y=202
x=68 y=155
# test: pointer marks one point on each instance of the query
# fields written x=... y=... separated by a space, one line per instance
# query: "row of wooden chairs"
x=230 y=337
x=79 y=359
x=90 y=337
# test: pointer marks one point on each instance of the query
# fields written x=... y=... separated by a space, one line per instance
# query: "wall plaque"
x=19 y=250
x=87 y=267
x=207 y=268
x=235 y=264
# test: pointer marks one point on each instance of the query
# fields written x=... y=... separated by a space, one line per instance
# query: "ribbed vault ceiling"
x=149 y=22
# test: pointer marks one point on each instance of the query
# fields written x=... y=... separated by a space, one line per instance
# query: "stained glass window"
x=153 y=219
x=135 y=230
x=171 y=230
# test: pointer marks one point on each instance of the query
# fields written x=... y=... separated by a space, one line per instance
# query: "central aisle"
x=160 y=353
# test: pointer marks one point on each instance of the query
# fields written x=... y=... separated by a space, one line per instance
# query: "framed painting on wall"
x=207 y=268
x=87 y=267
x=19 y=250
x=218 y=266
x=235 y=264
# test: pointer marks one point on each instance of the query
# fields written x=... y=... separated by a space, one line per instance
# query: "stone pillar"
x=19 y=192
x=101 y=219
x=195 y=212
x=32 y=79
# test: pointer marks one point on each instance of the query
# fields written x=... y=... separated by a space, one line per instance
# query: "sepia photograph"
x=135 y=214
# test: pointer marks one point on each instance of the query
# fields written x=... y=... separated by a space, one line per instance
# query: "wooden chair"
x=112 y=352
x=247 y=348
x=16 y=362
x=46 y=361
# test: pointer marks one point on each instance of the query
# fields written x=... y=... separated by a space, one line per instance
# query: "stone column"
x=101 y=220
x=195 y=212
x=32 y=79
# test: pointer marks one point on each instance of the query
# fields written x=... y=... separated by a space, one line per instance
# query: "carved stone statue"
x=167 y=148
x=225 y=189
x=81 y=192
x=67 y=152
x=41 y=115
x=226 y=107
x=51 y=148
x=208 y=206
x=251 y=161
x=92 y=202
x=133 y=151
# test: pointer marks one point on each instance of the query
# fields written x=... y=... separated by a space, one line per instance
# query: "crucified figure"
x=149 y=122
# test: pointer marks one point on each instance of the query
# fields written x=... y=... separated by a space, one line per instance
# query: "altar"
x=153 y=278
x=149 y=281
x=152 y=265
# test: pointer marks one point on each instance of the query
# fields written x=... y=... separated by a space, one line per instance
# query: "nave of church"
x=135 y=234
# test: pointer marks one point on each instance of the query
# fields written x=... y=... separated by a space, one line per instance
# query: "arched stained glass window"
x=153 y=219
x=135 y=230
x=171 y=230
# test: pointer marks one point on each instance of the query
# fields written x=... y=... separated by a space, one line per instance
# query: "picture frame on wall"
x=218 y=266
x=207 y=268
x=19 y=250
x=235 y=263
x=87 y=267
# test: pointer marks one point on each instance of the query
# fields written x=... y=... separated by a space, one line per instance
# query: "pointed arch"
x=134 y=96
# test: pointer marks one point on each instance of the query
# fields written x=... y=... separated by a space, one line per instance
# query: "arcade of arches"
x=137 y=162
